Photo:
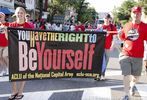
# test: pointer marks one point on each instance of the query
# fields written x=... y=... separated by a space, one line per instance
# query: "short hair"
x=108 y=16
x=27 y=15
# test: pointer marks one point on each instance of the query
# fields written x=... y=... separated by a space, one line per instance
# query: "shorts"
x=145 y=56
x=3 y=51
x=130 y=65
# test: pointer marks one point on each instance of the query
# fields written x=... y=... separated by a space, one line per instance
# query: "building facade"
x=33 y=7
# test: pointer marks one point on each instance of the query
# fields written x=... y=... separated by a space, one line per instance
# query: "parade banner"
x=37 y=54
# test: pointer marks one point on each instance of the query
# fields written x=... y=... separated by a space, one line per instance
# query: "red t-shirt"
x=3 y=40
x=109 y=36
x=42 y=27
x=79 y=28
x=133 y=36
x=24 y=25
x=31 y=24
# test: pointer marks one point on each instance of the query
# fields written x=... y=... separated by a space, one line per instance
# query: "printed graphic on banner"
x=35 y=54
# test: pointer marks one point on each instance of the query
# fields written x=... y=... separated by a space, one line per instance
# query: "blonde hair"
x=20 y=8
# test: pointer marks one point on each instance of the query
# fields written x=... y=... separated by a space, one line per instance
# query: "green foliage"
x=124 y=22
x=89 y=15
x=59 y=7
x=56 y=7
x=122 y=13
x=143 y=3
x=145 y=9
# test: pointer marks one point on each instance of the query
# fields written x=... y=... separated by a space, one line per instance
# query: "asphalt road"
x=78 y=88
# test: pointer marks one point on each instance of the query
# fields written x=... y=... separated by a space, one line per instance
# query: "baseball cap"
x=1 y=13
x=136 y=9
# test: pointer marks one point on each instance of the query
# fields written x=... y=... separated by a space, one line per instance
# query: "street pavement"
x=79 y=88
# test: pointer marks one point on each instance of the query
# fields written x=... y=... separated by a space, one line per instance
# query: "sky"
x=104 y=5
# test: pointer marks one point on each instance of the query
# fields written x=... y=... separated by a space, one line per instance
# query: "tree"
x=89 y=15
x=55 y=7
x=81 y=7
x=123 y=12
x=143 y=3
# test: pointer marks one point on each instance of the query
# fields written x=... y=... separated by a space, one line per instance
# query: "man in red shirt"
x=3 y=45
x=133 y=34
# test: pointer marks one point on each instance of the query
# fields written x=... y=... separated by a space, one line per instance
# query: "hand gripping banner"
x=37 y=54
